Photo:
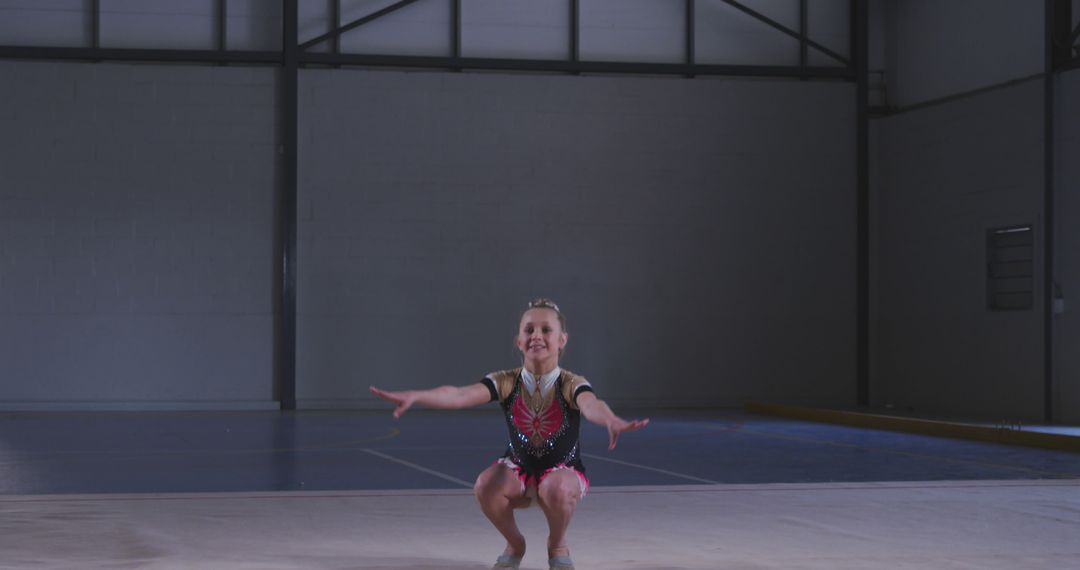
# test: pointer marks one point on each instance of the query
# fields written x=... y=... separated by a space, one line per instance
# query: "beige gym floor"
x=983 y=525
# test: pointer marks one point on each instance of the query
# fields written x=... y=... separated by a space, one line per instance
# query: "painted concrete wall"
x=165 y=24
x=1067 y=262
x=936 y=49
x=946 y=174
x=610 y=30
x=135 y=216
x=697 y=233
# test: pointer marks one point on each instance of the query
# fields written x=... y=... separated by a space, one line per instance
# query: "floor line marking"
x=912 y=453
x=332 y=446
x=618 y=490
x=438 y=474
x=654 y=469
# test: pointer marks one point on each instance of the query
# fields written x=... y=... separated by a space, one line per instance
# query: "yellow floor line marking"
x=908 y=453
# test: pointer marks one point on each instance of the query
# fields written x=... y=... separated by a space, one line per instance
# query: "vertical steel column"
x=575 y=30
x=1048 y=214
x=335 y=16
x=804 y=31
x=690 y=29
x=455 y=28
x=221 y=29
x=95 y=23
x=455 y=31
x=286 y=310
x=859 y=48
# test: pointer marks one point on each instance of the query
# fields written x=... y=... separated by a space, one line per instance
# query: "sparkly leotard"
x=543 y=430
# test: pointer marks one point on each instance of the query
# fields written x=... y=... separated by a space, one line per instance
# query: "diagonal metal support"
x=787 y=31
x=356 y=23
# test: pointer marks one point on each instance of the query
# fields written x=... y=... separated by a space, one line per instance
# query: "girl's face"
x=540 y=336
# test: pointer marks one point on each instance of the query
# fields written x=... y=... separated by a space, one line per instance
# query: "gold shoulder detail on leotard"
x=504 y=381
x=570 y=384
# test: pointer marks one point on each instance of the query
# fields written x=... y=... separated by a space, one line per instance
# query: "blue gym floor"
x=110 y=452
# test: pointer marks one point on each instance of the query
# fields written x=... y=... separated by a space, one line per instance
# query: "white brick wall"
x=699 y=234
x=135 y=219
x=948 y=173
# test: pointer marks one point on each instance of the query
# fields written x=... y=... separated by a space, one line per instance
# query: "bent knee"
x=484 y=482
x=496 y=480
x=560 y=487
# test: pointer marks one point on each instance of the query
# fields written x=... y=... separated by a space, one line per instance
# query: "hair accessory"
x=544 y=304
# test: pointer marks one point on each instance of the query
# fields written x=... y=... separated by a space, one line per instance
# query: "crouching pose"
x=543 y=405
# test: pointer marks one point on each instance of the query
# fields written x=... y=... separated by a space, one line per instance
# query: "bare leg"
x=498 y=490
x=559 y=494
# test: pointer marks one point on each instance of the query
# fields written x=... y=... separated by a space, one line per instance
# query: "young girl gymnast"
x=543 y=405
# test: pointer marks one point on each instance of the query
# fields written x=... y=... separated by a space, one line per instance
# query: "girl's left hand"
x=619 y=426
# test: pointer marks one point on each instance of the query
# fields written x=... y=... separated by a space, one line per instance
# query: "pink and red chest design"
x=537 y=426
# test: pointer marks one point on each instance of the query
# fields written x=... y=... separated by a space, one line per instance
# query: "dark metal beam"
x=788 y=31
x=538 y=65
x=860 y=22
x=285 y=323
x=541 y=65
x=160 y=55
x=356 y=23
x=964 y=94
x=1051 y=57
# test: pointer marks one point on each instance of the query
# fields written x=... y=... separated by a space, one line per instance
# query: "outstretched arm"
x=596 y=411
x=442 y=398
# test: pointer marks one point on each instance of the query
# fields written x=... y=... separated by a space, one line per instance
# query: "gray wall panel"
x=935 y=49
x=1067 y=263
x=135 y=225
x=697 y=233
x=948 y=173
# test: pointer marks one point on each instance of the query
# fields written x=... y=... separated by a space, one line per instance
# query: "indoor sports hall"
x=735 y=284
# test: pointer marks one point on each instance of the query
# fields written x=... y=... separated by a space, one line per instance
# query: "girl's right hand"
x=403 y=400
